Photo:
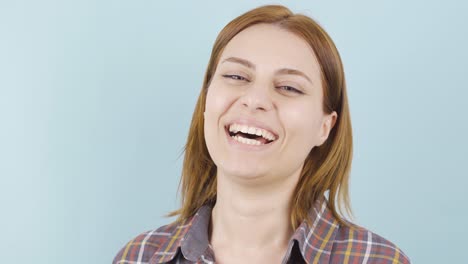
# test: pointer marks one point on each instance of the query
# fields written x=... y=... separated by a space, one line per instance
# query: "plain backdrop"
x=96 y=98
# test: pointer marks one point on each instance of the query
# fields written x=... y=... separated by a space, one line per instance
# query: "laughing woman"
x=265 y=173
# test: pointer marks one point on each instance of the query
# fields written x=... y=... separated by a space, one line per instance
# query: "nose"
x=257 y=97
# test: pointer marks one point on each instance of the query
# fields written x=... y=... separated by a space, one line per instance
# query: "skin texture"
x=254 y=186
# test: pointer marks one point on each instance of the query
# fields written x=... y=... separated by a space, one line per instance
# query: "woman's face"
x=267 y=83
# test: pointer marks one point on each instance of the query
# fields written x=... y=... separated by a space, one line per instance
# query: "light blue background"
x=96 y=99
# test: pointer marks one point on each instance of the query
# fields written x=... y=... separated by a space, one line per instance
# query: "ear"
x=328 y=122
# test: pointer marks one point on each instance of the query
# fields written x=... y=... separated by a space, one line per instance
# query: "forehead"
x=270 y=47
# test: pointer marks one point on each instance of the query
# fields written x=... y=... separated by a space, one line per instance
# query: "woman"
x=268 y=155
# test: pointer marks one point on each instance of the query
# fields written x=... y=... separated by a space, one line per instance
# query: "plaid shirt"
x=324 y=242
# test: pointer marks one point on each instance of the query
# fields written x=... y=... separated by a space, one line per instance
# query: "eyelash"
x=240 y=78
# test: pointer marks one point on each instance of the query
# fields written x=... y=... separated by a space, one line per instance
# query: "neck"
x=252 y=216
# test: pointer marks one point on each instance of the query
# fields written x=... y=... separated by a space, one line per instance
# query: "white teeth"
x=236 y=128
x=247 y=141
x=251 y=130
x=243 y=128
x=258 y=132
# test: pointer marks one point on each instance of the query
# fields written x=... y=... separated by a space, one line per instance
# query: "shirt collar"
x=196 y=242
x=189 y=236
x=314 y=242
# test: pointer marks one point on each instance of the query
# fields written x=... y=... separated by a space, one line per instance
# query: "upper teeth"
x=251 y=130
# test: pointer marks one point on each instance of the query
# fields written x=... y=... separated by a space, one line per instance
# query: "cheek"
x=214 y=100
x=301 y=123
x=217 y=102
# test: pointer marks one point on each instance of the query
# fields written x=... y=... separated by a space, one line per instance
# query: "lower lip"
x=243 y=146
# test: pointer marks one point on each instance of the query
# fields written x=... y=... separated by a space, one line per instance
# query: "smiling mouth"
x=249 y=137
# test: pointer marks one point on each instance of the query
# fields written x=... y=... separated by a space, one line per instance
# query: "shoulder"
x=142 y=248
x=357 y=244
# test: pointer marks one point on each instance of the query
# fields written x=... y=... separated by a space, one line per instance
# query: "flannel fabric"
x=324 y=242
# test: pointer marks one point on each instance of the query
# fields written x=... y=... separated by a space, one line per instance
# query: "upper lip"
x=252 y=123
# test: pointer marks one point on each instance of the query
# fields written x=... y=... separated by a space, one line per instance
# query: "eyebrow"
x=250 y=65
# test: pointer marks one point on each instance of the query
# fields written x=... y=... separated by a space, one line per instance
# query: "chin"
x=244 y=172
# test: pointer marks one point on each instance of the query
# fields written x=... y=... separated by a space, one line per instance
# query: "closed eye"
x=284 y=87
x=235 y=77
x=290 y=89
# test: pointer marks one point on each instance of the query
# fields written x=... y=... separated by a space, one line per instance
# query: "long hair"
x=326 y=168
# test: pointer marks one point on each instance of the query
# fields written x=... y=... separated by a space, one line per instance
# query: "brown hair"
x=326 y=168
